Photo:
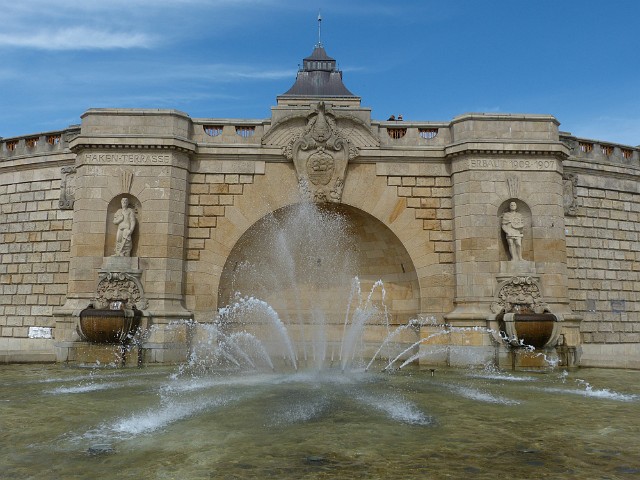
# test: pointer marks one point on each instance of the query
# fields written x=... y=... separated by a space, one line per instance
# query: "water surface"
x=158 y=423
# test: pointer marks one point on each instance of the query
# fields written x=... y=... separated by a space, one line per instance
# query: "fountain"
x=298 y=282
x=115 y=325
x=241 y=422
x=287 y=381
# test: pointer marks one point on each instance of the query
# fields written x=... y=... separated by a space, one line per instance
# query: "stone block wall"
x=209 y=196
x=35 y=237
x=429 y=197
x=441 y=196
x=603 y=250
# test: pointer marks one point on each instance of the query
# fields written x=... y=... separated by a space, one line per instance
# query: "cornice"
x=132 y=143
x=496 y=147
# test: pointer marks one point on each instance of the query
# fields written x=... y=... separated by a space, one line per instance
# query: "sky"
x=429 y=60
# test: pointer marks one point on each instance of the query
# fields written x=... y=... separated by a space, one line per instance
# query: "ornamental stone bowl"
x=110 y=326
x=533 y=329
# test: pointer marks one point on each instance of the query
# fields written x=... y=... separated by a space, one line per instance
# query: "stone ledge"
x=21 y=356
x=619 y=355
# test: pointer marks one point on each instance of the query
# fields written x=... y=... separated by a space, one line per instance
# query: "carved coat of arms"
x=320 y=156
x=321 y=143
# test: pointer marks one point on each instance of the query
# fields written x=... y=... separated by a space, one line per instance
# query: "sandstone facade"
x=425 y=199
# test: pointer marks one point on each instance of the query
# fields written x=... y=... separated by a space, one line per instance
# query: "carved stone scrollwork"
x=119 y=287
x=320 y=155
x=126 y=178
x=67 y=188
x=570 y=194
x=513 y=183
x=519 y=295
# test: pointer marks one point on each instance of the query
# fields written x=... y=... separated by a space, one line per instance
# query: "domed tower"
x=319 y=79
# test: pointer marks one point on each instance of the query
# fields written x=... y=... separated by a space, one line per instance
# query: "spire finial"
x=319 y=29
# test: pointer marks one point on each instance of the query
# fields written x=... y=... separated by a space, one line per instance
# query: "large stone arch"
x=321 y=246
x=364 y=192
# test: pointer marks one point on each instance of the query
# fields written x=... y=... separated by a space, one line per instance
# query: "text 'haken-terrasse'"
x=131 y=158
x=512 y=164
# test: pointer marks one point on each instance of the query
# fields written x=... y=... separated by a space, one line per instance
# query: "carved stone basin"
x=108 y=325
x=535 y=329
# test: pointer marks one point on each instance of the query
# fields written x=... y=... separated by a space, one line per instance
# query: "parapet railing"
x=601 y=151
x=225 y=131
x=409 y=133
x=39 y=143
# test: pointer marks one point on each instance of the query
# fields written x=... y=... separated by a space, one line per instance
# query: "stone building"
x=464 y=221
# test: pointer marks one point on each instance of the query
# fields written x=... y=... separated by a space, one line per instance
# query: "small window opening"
x=213 y=130
x=607 y=150
x=245 y=132
x=53 y=139
x=586 y=147
x=396 y=133
x=31 y=142
x=11 y=145
x=427 y=133
x=626 y=153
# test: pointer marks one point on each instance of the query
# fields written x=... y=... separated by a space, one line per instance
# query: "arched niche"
x=301 y=259
x=111 y=228
x=527 y=236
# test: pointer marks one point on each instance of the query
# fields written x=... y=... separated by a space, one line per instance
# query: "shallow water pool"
x=160 y=423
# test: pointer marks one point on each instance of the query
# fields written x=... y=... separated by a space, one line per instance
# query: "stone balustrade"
x=600 y=151
x=37 y=144
x=391 y=133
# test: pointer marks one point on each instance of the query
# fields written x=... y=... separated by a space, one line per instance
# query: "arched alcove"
x=302 y=260
x=111 y=228
x=527 y=237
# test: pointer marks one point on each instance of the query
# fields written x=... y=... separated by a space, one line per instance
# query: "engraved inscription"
x=512 y=164
x=128 y=158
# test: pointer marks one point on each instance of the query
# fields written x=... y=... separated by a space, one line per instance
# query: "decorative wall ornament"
x=126 y=179
x=119 y=287
x=320 y=155
x=519 y=295
x=570 y=192
x=67 y=188
x=321 y=143
x=513 y=183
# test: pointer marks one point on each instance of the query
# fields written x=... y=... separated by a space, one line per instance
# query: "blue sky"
x=578 y=60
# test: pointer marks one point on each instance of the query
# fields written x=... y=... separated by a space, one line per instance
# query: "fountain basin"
x=317 y=425
x=108 y=326
x=529 y=329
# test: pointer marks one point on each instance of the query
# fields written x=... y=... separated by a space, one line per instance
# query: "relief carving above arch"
x=320 y=144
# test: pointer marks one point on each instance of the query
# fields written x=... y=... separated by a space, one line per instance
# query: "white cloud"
x=77 y=38
x=113 y=24
x=149 y=73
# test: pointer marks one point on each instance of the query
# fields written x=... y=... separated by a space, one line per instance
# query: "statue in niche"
x=512 y=226
x=125 y=218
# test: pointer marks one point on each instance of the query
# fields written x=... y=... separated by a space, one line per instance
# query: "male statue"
x=125 y=218
x=512 y=225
